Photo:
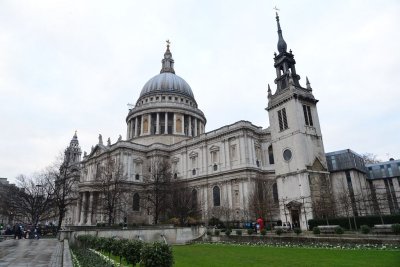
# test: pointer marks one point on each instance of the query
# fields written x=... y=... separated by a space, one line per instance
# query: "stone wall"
x=172 y=235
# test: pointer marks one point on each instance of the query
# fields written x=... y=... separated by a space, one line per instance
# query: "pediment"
x=175 y=160
x=138 y=160
x=293 y=205
x=317 y=165
x=214 y=148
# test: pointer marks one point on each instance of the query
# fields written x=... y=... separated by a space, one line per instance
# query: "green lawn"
x=229 y=255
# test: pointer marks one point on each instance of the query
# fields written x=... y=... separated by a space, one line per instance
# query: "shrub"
x=339 y=230
x=263 y=232
x=396 y=228
x=297 y=231
x=238 y=232
x=216 y=222
x=131 y=251
x=250 y=231
x=209 y=232
x=174 y=221
x=228 y=232
x=216 y=232
x=316 y=230
x=156 y=255
x=88 y=258
x=365 y=229
x=191 y=221
x=278 y=231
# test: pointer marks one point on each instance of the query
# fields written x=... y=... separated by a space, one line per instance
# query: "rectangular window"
x=307 y=115
x=283 y=123
x=389 y=168
x=383 y=171
x=334 y=164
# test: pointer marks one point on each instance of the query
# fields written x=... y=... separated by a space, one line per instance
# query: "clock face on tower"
x=287 y=154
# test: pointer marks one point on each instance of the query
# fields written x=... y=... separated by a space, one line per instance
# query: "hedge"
x=364 y=220
x=133 y=251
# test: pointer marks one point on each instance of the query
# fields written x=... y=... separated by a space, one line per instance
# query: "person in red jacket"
x=260 y=222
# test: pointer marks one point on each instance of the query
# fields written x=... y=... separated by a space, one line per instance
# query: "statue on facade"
x=100 y=139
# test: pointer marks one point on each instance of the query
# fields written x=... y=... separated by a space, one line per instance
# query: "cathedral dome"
x=167 y=82
x=166 y=111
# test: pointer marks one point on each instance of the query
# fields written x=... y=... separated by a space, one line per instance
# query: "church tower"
x=72 y=154
x=300 y=164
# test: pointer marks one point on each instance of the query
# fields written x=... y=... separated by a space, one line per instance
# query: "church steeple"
x=72 y=153
x=284 y=64
x=168 y=61
x=282 y=46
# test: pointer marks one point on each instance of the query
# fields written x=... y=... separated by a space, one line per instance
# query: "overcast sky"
x=75 y=65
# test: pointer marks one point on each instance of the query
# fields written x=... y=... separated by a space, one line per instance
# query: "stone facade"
x=221 y=166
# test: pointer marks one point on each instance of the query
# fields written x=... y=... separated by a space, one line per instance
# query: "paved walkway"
x=30 y=253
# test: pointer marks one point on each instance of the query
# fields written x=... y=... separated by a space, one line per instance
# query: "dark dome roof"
x=167 y=82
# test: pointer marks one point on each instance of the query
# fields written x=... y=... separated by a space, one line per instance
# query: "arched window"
x=271 y=155
x=194 y=199
x=137 y=176
x=275 y=192
x=136 y=202
x=216 y=196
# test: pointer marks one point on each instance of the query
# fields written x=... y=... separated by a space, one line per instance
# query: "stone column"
x=128 y=130
x=190 y=126
x=136 y=127
x=90 y=209
x=141 y=125
x=82 y=219
x=78 y=209
x=132 y=128
x=195 y=126
x=174 y=125
x=183 y=123
x=149 y=124
x=158 y=123
x=166 y=123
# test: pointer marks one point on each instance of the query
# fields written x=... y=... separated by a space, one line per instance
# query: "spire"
x=281 y=43
x=74 y=140
x=308 y=84
x=269 y=91
x=167 y=62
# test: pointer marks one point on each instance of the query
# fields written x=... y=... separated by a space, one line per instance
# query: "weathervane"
x=168 y=42
x=276 y=9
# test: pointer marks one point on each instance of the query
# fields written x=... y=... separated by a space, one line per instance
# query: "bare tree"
x=344 y=202
x=261 y=199
x=32 y=199
x=370 y=158
x=158 y=187
x=111 y=183
x=321 y=197
x=62 y=179
x=184 y=202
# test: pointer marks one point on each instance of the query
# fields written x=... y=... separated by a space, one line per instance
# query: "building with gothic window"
x=222 y=165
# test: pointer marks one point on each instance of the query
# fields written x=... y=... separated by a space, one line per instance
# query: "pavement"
x=31 y=253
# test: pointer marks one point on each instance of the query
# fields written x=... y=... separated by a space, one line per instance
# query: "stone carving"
x=100 y=139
